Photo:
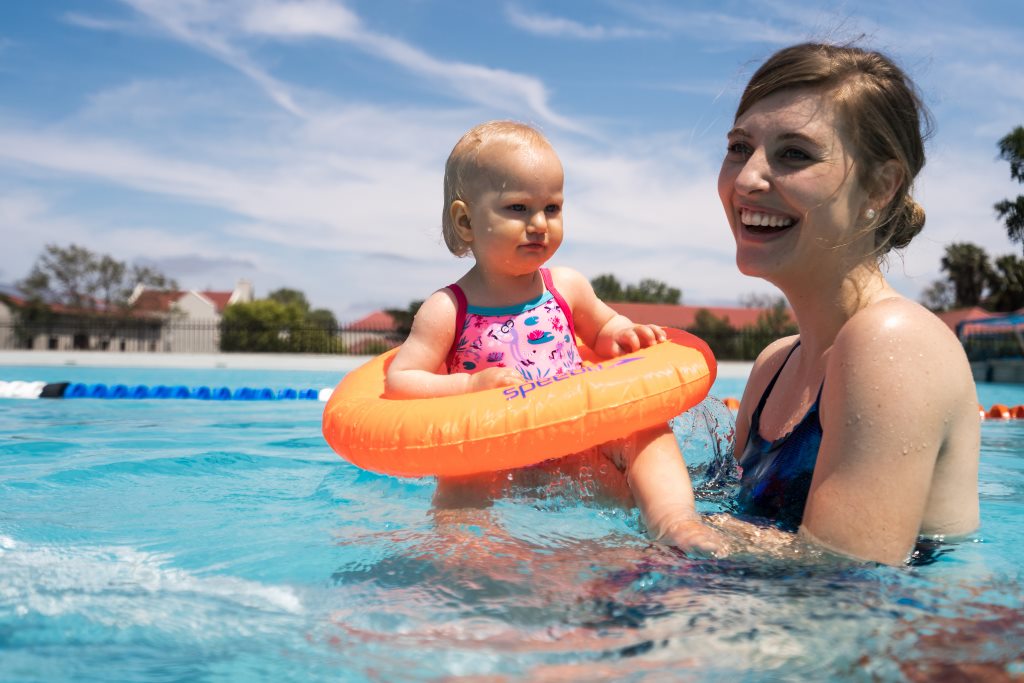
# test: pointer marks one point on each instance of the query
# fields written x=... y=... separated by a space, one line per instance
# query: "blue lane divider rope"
x=158 y=391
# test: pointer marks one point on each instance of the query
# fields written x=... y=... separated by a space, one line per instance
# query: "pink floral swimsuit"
x=536 y=337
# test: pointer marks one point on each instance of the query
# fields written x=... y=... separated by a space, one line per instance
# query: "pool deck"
x=242 y=361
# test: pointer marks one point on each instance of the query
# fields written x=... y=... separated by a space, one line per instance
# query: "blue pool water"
x=203 y=541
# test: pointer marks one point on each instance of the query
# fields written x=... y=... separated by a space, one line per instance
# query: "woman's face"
x=790 y=190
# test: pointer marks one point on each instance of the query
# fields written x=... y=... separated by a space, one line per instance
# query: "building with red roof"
x=179 y=321
x=685 y=317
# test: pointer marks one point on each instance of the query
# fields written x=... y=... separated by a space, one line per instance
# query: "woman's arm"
x=895 y=385
x=418 y=371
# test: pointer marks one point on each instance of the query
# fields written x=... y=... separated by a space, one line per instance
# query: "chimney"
x=242 y=293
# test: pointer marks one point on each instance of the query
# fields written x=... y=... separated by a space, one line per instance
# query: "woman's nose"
x=753 y=175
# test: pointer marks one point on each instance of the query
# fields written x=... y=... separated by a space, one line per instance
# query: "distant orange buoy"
x=1017 y=412
x=1000 y=411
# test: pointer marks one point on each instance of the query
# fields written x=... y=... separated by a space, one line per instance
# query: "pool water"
x=220 y=541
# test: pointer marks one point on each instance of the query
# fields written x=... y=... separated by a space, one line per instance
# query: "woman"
x=862 y=431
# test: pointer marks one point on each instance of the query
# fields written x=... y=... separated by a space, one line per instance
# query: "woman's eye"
x=738 y=148
x=794 y=154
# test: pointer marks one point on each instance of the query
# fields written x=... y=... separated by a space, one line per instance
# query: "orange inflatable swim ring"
x=510 y=427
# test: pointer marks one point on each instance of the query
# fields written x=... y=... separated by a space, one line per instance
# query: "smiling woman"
x=815 y=183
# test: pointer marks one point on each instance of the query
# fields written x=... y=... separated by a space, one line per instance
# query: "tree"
x=290 y=297
x=403 y=318
x=775 y=320
x=608 y=288
x=969 y=271
x=1006 y=287
x=261 y=325
x=755 y=300
x=653 y=291
x=1011 y=211
x=322 y=318
x=939 y=296
x=281 y=322
x=717 y=332
x=81 y=280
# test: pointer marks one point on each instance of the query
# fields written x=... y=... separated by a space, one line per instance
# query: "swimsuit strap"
x=549 y=283
x=463 y=305
x=460 y=322
x=755 y=419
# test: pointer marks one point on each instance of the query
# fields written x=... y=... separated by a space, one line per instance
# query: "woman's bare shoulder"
x=898 y=329
x=899 y=345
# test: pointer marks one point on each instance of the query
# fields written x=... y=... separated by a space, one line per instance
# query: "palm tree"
x=1011 y=148
x=1007 y=285
x=969 y=270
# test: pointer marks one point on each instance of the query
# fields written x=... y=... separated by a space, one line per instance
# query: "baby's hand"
x=693 y=535
x=638 y=337
x=494 y=377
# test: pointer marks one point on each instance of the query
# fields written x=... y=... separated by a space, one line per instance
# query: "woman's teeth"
x=764 y=220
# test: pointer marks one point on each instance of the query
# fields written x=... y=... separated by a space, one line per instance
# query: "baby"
x=509 y=319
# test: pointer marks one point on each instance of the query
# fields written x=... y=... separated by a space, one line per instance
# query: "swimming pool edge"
x=241 y=361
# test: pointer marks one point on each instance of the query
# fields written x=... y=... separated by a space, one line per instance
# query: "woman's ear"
x=459 y=213
x=887 y=181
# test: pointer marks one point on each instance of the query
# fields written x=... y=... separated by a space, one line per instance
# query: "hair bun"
x=907 y=222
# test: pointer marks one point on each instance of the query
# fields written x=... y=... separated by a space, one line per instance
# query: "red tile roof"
x=683 y=317
x=153 y=301
x=219 y=299
x=375 y=322
x=955 y=317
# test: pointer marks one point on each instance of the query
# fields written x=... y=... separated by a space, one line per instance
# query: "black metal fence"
x=193 y=337
x=213 y=337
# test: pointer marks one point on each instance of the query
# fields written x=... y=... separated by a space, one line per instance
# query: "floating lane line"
x=78 y=390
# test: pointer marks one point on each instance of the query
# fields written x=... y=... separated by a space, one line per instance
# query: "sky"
x=301 y=144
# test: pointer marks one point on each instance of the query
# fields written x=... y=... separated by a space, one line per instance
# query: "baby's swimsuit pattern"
x=536 y=337
x=776 y=475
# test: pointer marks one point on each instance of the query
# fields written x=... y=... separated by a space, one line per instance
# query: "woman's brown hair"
x=881 y=113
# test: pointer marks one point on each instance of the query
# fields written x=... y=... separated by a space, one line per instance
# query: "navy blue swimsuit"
x=777 y=475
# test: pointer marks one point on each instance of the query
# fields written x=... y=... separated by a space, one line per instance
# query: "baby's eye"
x=552 y=209
x=517 y=207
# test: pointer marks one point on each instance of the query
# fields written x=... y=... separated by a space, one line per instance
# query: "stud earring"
x=870 y=214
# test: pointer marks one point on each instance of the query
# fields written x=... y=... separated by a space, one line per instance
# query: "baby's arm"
x=418 y=371
x=601 y=328
x=662 y=490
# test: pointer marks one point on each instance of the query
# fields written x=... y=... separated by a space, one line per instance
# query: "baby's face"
x=515 y=207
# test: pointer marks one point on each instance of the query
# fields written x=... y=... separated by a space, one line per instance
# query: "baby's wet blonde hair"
x=465 y=166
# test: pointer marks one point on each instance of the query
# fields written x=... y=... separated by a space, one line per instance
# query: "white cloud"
x=303 y=19
x=720 y=25
x=214 y=28
x=98 y=24
x=546 y=25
